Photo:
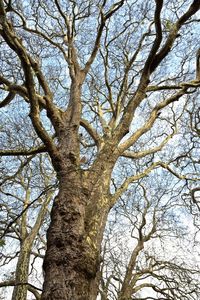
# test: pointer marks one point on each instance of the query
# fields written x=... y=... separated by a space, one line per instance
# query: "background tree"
x=96 y=99
x=147 y=244
x=21 y=220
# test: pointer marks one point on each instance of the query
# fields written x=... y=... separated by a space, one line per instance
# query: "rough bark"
x=69 y=268
x=75 y=234
x=79 y=213
x=74 y=239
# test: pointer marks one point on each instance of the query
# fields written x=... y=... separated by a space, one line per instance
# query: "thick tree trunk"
x=78 y=219
x=22 y=272
x=70 y=266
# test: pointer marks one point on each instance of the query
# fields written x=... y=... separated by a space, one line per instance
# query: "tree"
x=99 y=82
x=21 y=223
x=145 y=249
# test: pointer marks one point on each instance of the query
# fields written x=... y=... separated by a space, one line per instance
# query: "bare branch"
x=149 y=123
x=15 y=44
x=140 y=154
x=46 y=190
x=92 y=132
x=7 y=99
x=33 y=289
x=115 y=7
x=138 y=176
x=24 y=152
x=194 y=7
x=157 y=41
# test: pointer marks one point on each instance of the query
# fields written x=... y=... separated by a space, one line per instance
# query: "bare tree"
x=21 y=221
x=100 y=82
x=145 y=252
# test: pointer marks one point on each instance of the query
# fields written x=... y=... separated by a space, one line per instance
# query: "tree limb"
x=140 y=154
x=91 y=131
x=25 y=152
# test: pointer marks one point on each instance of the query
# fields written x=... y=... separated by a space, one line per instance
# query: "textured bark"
x=78 y=219
x=78 y=216
x=70 y=267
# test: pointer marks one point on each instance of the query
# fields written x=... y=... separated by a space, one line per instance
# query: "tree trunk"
x=78 y=219
x=27 y=239
x=72 y=261
x=69 y=269
x=22 y=272
x=130 y=280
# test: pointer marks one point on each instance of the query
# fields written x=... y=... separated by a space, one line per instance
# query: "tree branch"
x=115 y=7
x=194 y=7
x=24 y=152
x=33 y=289
x=91 y=131
x=140 y=154
x=131 y=179
x=7 y=99
x=16 y=45
x=149 y=123
x=158 y=39
x=47 y=189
